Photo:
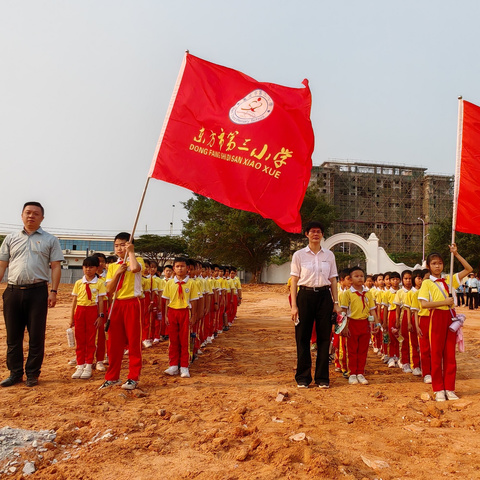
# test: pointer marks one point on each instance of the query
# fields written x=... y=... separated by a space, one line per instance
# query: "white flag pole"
x=152 y=167
x=457 y=181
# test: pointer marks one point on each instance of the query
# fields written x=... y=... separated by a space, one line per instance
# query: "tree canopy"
x=160 y=248
x=224 y=235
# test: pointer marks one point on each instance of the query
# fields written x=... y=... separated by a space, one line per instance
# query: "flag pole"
x=456 y=187
x=152 y=166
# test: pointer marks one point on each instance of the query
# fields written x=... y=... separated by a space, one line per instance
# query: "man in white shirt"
x=314 y=299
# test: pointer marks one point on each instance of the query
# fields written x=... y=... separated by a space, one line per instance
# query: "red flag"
x=468 y=207
x=243 y=143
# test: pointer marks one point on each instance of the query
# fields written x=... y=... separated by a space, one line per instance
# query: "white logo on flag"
x=256 y=106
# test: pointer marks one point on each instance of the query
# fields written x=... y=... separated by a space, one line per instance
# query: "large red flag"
x=243 y=143
x=468 y=207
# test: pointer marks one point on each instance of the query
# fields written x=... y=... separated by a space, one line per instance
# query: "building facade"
x=385 y=199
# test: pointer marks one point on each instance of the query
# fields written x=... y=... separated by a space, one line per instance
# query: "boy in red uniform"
x=87 y=315
x=180 y=312
x=124 y=283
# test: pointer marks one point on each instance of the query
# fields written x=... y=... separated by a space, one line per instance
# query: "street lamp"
x=423 y=240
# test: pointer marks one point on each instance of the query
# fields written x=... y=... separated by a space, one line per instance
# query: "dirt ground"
x=225 y=422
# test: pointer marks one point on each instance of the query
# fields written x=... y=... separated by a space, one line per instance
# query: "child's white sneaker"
x=417 y=372
x=427 y=379
x=391 y=363
x=440 y=396
x=173 y=370
x=100 y=367
x=352 y=380
x=87 y=372
x=361 y=379
x=184 y=373
x=451 y=395
x=156 y=340
x=73 y=362
x=407 y=368
x=78 y=371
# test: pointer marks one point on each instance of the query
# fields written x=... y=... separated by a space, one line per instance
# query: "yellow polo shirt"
x=97 y=287
x=430 y=291
x=354 y=305
x=171 y=293
x=132 y=282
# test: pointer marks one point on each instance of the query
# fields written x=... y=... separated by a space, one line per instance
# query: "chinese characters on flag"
x=243 y=143
x=468 y=204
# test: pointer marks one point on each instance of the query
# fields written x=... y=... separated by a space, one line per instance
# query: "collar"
x=39 y=230
x=308 y=249
x=413 y=289
x=405 y=290
x=176 y=280
x=84 y=279
x=364 y=289
x=391 y=289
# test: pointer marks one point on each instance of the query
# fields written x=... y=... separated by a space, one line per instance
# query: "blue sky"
x=85 y=86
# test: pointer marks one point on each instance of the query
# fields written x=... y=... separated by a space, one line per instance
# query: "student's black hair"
x=146 y=261
x=375 y=277
x=433 y=256
x=154 y=263
x=344 y=273
x=424 y=272
x=395 y=275
x=387 y=273
x=314 y=224
x=100 y=255
x=91 y=262
x=417 y=273
x=159 y=270
x=369 y=276
x=168 y=266
x=233 y=269
x=215 y=265
x=190 y=262
x=405 y=272
x=354 y=269
x=124 y=236
x=180 y=260
x=111 y=259
x=34 y=204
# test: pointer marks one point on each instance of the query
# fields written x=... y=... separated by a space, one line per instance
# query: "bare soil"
x=228 y=422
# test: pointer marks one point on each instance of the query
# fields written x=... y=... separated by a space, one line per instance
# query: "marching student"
x=379 y=286
x=180 y=311
x=339 y=342
x=87 y=315
x=157 y=313
x=238 y=286
x=413 y=312
x=124 y=283
x=401 y=323
x=384 y=316
x=101 y=339
x=390 y=314
x=434 y=294
x=358 y=304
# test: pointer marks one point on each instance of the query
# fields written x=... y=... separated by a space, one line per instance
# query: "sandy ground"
x=225 y=421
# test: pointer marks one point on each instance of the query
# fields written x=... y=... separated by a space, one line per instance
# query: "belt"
x=315 y=289
x=26 y=287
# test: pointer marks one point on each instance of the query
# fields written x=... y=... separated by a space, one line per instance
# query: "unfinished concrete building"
x=385 y=199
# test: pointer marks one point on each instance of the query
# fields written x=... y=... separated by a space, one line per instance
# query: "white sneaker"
x=87 y=372
x=451 y=395
x=156 y=340
x=100 y=367
x=391 y=363
x=375 y=350
x=386 y=359
x=173 y=370
x=147 y=343
x=352 y=380
x=406 y=368
x=417 y=372
x=73 y=362
x=130 y=385
x=440 y=396
x=361 y=379
x=78 y=372
x=184 y=373
x=125 y=352
x=400 y=364
x=427 y=379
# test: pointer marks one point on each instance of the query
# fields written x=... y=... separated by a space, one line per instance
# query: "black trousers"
x=25 y=309
x=313 y=307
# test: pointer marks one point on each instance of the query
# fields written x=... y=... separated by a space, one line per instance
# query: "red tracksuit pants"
x=357 y=345
x=394 y=347
x=85 y=331
x=125 y=329
x=409 y=352
x=442 y=350
x=179 y=335
x=424 y=342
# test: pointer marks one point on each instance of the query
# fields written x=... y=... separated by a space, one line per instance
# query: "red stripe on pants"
x=85 y=330
x=424 y=341
x=357 y=345
x=405 y=350
x=414 y=347
x=125 y=328
x=179 y=335
x=442 y=350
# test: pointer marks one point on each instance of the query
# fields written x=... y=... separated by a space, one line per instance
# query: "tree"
x=160 y=248
x=440 y=236
x=224 y=235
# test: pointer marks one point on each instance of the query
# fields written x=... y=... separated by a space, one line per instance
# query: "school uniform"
x=394 y=346
x=101 y=338
x=125 y=322
x=411 y=299
x=424 y=324
x=85 y=315
x=147 y=303
x=179 y=295
x=399 y=301
x=442 y=339
x=359 y=306
x=158 y=320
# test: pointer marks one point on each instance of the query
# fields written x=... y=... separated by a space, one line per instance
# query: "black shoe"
x=8 y=382
x=31 y=381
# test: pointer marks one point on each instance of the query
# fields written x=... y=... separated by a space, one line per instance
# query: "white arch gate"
x=377 y=259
